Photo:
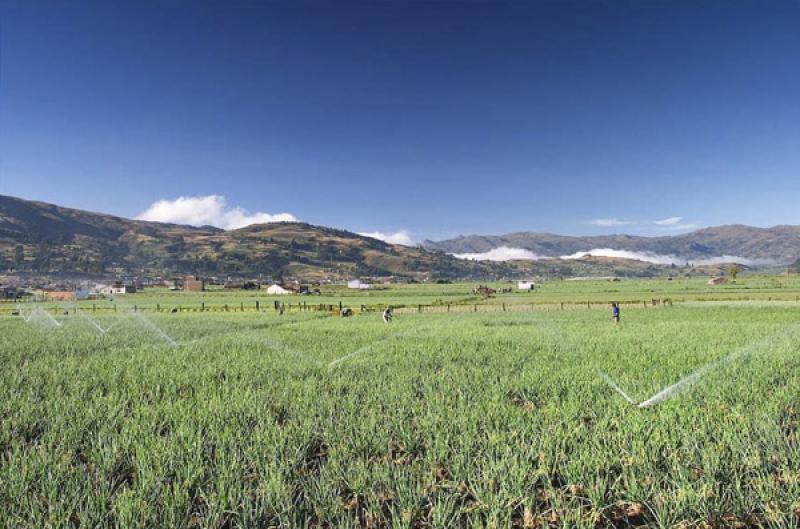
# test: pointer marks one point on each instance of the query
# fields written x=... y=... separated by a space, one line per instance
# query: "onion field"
x=684 y=415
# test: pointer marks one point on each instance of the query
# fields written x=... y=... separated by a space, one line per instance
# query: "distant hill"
x=45 y=239
x=48 y=239
x=756 y=246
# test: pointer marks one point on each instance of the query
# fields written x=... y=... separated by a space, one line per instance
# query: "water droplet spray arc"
x=692 y=377
x=138 y=316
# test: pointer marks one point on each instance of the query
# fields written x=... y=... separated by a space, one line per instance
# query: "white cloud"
x=670 y=221
x=648 y=257
x=398 y=237
x=210 y=210
x=733 y=259
x=667 y=224
x=609 y=223
x=662 y=259
x=674 y=224
x=501 y=253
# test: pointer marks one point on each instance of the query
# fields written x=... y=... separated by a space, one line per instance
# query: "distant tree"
x=42 y=258
x=734 y=271
x=178 y=246
x=19 y=255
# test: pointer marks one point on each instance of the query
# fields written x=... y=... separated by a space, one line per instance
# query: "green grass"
x=439 y=420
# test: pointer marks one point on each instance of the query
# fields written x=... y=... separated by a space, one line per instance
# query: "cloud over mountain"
x=398 y=237
x=503 y=253
x=210 y=210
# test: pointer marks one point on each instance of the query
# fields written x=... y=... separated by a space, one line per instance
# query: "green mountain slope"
x=44 y=238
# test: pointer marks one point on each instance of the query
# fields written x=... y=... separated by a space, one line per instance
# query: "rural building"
x=526 y=285
x=717 y=280
x=12 y=293
x=116 y=289
x=193 y=284
x=60 y=295
x=241 y=285
x=358 y=284
x=278 y=290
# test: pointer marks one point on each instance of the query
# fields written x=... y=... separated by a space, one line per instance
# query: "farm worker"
x=387 y=315
x=615 y=312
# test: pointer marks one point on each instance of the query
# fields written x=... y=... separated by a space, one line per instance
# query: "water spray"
x=21 y=313
x=695 y=375
x=281 y=347
x=615 y=387
x=153 y=327
x=354 y=353
x=692 y=377
x=364 y=349
x=93 y=322
x=50 y=317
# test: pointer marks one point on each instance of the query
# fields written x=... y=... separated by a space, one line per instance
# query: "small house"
x=358 y=284
x=193 y=284
x=526 y=285
x=117 y=289
x=60 y=295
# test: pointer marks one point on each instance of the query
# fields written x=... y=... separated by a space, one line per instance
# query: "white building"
x=278 y=290
x=526 y=285
x=358 y=284
x=113 y=290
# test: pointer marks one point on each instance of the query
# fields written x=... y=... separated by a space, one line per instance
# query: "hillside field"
x=505 y=412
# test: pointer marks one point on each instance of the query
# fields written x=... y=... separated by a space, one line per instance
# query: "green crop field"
x=684 y=414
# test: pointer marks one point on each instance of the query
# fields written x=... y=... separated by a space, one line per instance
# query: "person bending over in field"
x=387 y=315
x=615 y=312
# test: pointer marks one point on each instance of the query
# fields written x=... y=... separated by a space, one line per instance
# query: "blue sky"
x=434 y=118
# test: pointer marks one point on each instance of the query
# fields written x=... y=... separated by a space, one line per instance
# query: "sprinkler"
x=365 y=349
x=96 y=325
x=692 y=377
x=153 y=327
x=616 y=388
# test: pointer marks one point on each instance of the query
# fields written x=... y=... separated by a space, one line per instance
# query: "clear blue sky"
x=438 y=118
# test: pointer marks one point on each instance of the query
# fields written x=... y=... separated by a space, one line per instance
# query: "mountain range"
x=46 y=239
x=778 y=246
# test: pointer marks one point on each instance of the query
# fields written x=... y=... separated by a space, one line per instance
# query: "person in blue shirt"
x=615 y=312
